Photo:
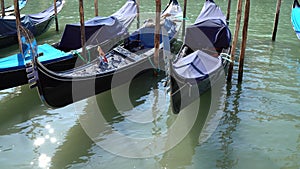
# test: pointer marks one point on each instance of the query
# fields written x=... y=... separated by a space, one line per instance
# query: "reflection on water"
x=229 y=122
x=93 y=154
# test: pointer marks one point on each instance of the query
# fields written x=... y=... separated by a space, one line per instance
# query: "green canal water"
x=253 y=125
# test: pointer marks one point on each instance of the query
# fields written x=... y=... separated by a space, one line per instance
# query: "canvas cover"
x=145 y=35
x=8 y=25
x=111 y=26
x=209 y=30
x=127 y=13
x=295 y=18
x=197 y=65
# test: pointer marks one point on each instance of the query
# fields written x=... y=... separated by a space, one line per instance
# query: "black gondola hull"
x=183 y=93
x=58 y=92
x=124 y=62
x=200 y=65
x=18 y=77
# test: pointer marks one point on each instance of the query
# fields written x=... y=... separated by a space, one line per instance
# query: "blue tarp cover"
x=295 y=18
x=113 y=25
x=197 y=65
x=71 y=38
x=209 y=30
x=127 y=13
x=145 y=35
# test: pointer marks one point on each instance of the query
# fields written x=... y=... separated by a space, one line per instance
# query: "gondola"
x=63 y=54
x=118 y=66
x=202 y=59
x=37 y=23
x=10 y=10
x=295 y=17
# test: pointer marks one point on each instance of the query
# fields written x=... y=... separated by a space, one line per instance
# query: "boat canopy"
x=127 y=13
x=209 y=30
x=111 y=26
x=197 y=65
x=8 y=23
x=145 y=35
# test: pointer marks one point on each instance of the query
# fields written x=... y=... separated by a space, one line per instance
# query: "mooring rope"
x=226 y=56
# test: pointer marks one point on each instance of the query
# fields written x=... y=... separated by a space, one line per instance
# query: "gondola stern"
x=175 y=103
x=175 y=93
x=32 y=71
x=32 y=74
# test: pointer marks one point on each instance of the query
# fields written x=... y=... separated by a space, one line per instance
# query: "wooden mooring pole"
x=184 y=17
x=82 y=27
x=276 y=20
x=96 y=7
x=228 y=11
x=55 y=14
x=235 y=39
x=18 y=23
x=157 y=32
x=244 y=41
x=2 y=8
x=138 y=14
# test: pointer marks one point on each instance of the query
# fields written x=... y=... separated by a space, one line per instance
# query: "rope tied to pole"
x=227 y=57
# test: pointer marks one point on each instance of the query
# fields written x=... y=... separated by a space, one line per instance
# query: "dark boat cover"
x=8 y=26
x=127 y=13
x=145 y=35
x=209 y=30
x=295 y=17
x=197 y=65
x=114 y=25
